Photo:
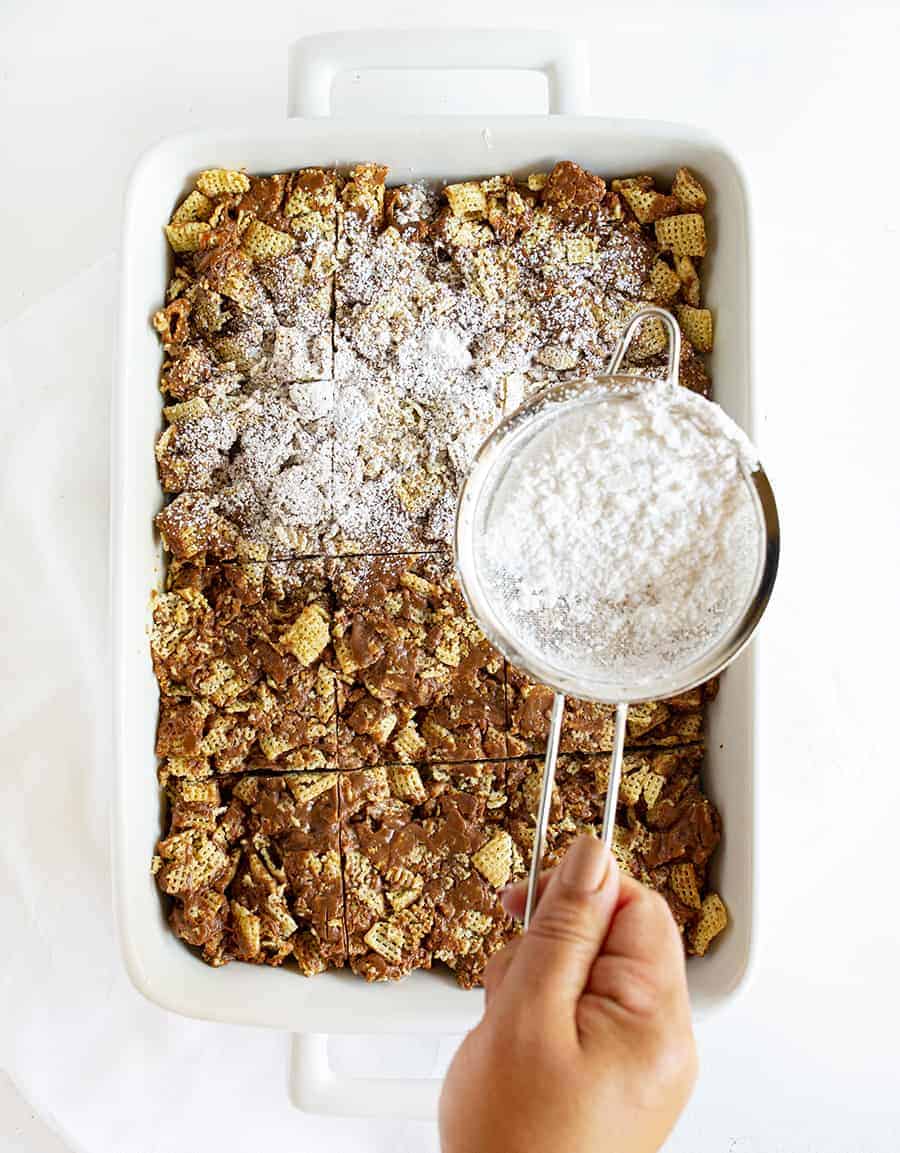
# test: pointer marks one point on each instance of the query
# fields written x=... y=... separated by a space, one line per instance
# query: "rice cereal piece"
x=664 y=281
x=712 y=921
x=653 y=786
x=697 y=326
x=573 y=194
x=494 y=859
x=683 y=882
x=190 y=526
x=305 y=787
x=186 y=410
x=579 y=249
x=222 y=181
x=688 y=190
x=191 y=861
x=682 y=235
x=308 y=635
x=642 y=182
x=190 y=236
x=648 y=205
x=195 y=206
x=632 y=787
x=262 y=242
x=409 y=744
x=650 y=340
x=406 y=783
x=314 y=194
x=363 y=193
x=557 y=357
x=467 y=201
x=387 y=940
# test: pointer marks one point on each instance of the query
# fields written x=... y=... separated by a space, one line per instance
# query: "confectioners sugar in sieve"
x=624 y=538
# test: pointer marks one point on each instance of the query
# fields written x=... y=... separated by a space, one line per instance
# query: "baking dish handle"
x=315 y=61
x=317 y=1088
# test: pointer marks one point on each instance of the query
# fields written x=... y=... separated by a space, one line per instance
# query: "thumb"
x=553 y=962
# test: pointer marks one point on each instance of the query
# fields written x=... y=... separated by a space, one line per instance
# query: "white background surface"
x=807 y=1061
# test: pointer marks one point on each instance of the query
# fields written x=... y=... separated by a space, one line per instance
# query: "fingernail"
x=585 y=866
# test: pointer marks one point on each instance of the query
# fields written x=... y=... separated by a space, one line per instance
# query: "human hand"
x=586 y=1040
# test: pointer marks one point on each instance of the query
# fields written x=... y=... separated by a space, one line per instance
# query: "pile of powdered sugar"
x=623 y=539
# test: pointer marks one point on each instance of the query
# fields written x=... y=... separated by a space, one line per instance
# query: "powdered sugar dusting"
x=439 y=333
x=623 y=539
x=350 y=381
x=411 y=408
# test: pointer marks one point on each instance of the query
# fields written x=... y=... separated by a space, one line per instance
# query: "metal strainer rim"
x=723 y=652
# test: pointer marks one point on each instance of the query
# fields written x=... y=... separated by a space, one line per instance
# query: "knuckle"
x=564 y=922
x=635 y=986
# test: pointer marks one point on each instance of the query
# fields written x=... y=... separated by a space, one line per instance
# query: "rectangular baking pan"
x=442 y=148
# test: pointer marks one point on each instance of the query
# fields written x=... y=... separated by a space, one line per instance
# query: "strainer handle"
x=543 y=813
x=615 y=774
x=628 y=332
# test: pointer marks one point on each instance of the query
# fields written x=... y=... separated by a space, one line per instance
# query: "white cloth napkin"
x=107 y=1069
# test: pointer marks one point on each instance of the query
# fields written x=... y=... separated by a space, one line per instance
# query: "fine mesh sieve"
x=477 y=526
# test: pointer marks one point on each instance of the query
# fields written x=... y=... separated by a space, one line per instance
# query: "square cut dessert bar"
x=564 y=260
x=259 y=464
x=253 y=868
x=588 y=727
x=410 y=408
x=451 y=306
x=666 y=828
x=417 y=680
x=249 y=301
x=242 y=654
x=423 y=866
x=247 y=337
x=400 y=457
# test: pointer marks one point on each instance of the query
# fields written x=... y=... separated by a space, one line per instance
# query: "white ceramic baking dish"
x=442 y=148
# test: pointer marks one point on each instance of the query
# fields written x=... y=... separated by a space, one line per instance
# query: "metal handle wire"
x=615 y=774
x=543 y=813
x=630 y=330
